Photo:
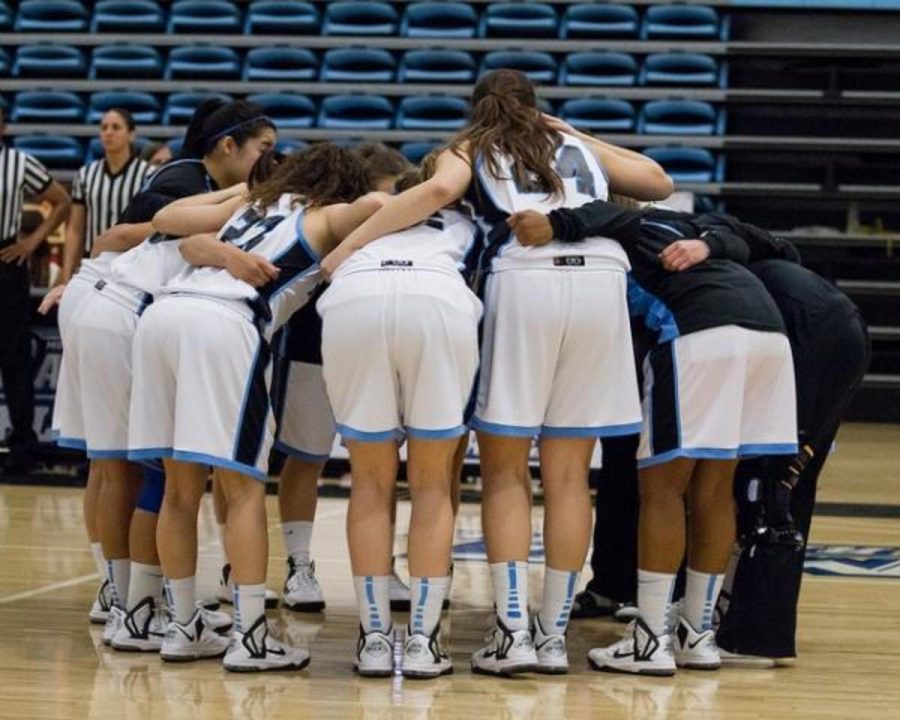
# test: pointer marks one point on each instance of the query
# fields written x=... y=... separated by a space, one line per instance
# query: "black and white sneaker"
x=423 y=656
x=256 y=651
x=302 y=592
x=588 y=604
x=508 y=652
x=694 y=649
x=225 y=591
x=143 y=628
x=102 y=604
x=375 y=653
x=551 y=650
x=192 y=641
x=640 y=652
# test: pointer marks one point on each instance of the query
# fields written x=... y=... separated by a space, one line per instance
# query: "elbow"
x=441 y=194
x=659 y=185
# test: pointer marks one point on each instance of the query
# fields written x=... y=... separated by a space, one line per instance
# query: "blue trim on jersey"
x=676 y=390
x=419 y=434
x=506 y=430
x=155 y=175
x=656 y=314
x=142 y=455
x=301 y=237
x=216 y=461
x=757 y=449
x=107 y=454
x=693 y=453
x=600 y=431
x=69 y=442
x=663 y=226
x=247 y=387
x=293 y=452
x=349 y=433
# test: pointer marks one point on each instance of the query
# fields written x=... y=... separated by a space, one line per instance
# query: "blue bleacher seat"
x=688 y=164
x=95 y=148
x=598 y=68
x=281 y=17
x=48 y=61
x=4 y=63
x=358 y=112
x=360 y=18
x=203 y=62
x=432 y=112
x=51 y=16
x=281 y=63
x=680 y=117
x=358 y=65
x=694 y=22
x=180 y=106
x=540 y=67
x=55 y=151
x=682 y=69
x=287 y=110
x=143 y=107
x=205 y=17
x=125 y=61
x=604 y=114
x=439 y=19
x=40 y=106
x=144 y=16
x=415 y=151
x=6 y=17
x=444 y=66
x=599 y=21
x=522 y=20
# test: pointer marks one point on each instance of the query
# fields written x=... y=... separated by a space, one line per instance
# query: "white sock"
x=373 y=597
x=559 y=592
x=427 y=595
x=118 y=572
x=182 y=597
x=655 y=599
x=700 y=594
x=249 y=605
x=511 y=593
x=99 y=560
x=146 y=581
x=297 y=539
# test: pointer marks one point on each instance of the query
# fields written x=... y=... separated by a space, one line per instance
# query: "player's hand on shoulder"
x=253 y=269
x=331 y=262
x=51 y=299
x=530 y=227
x=559 y=125
x=684 y=254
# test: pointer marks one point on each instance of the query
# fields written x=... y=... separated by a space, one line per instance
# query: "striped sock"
x=373 y=597
x=559 y=592
x=700 y=594
x=511 y=593
x=427 y=595
x=249 y=605
x=118 y=572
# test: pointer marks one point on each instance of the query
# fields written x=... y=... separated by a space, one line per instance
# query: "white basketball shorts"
x=400 y=351
x=722 y=393
x=557 y=359
x=201 y=386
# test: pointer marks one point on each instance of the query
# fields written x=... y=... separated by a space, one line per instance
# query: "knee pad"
x=152 y=491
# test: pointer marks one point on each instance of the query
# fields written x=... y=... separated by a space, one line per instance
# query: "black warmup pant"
x=15 y=355
x=762 y=615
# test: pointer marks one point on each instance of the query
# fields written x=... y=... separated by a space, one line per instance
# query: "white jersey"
x=494 y=199
x=444 y=242
x=279 y=239
x=98 y=268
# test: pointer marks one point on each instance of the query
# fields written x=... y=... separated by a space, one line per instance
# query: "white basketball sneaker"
x=695 y=650
x=640 y=652
x=192 y=641
x=256 y=651
x=302 y=592
x=113 y=623
x=506 y=653
x=102 y=603
x=375 y=653
x=225 y=591
x=143 y=628
x=399 y=593
x=551 y=650
x=215 y=619
x=423 y=656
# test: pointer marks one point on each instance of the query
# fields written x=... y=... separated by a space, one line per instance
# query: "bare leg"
x=176 y=532
x=712 y=516
x=91 y=494
x=120 y=486
x=246 y=534
x=661 y=528
x=142 y=539
x=506 y=499
x=374 y=470
x=459 y=459
x=298 y=490
x=431 y=527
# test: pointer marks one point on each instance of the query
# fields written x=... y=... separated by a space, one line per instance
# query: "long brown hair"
x=323 y=174
x=506 y=120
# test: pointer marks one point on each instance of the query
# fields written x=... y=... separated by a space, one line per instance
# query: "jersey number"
x=571 y=163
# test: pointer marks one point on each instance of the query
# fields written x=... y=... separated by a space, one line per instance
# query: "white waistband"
x=561 y=261
x=135 y=300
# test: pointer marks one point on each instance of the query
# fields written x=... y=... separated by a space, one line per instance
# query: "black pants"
x=15 y=355
x=762 y=614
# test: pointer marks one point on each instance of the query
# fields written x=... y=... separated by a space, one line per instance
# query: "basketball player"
x=400 y=350
x=553 y=368
x=192 y=409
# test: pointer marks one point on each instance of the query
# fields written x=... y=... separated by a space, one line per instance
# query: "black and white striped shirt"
x=18 y=173
x=106 y=195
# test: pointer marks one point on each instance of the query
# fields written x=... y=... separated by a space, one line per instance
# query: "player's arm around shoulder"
x=206 y=250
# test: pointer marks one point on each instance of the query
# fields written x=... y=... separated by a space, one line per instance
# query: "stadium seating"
x=95 y=149
x=682 y=69
x=180 y=106
x=600 y=21
x=356 y=112
x=144 y=16
x=540 y=67
x=415 y=151
x=600 y=114
x=51 y=16
x=6 y=17
x=358 y=65
x=287 y=110
x=143 y=107
x=47 y=106
x=282 y=17
x=439 y=20
x=204 y=17
x=680 y=117
x=125 y=61
x=281 y=63
x=57 y=151
x=598 y=68
x=48 y=61
x=430 y=112
x=695 y=22
x=360 y=18
x=203 y=62
x=437 y=66
x=686 y=164
x=4 y=63
x=520 y=20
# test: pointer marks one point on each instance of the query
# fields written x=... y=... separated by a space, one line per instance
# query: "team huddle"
x=249 y=301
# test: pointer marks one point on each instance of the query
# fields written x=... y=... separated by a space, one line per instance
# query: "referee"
x=21 y=174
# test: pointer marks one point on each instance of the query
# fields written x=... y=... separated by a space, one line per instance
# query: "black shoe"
x=588 y=604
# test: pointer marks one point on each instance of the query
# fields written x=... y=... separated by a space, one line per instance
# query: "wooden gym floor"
x=52 y=664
